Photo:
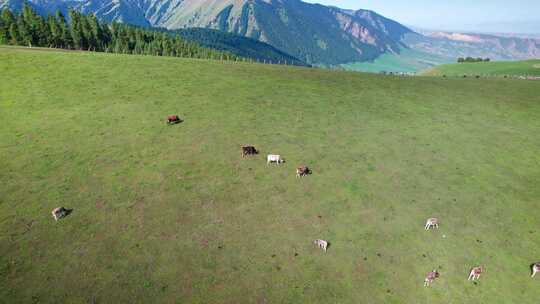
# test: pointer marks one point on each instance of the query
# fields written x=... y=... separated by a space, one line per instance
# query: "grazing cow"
x=173 y=119
x=59 y=213
x=535 y=268
x=430 y=277
x=274 y=159
x=302 y=171
x=432 y=222
x=321 y=244
x=249 y=150
x=475 y=273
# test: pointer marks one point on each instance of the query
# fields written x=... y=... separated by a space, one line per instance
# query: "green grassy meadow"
x=406 y=61
x=493 y=68
x=173 y=214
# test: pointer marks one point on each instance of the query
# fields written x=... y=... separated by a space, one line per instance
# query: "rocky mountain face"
x=313 y=33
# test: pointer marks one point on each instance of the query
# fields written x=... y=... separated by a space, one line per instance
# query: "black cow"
x=302 y=171
x=249 y=150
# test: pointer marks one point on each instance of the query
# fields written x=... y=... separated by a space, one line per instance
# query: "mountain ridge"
x=312 y=33
x=238 y=45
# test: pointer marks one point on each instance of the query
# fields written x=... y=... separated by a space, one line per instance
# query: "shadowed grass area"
x=494 y=68
x=173 y=214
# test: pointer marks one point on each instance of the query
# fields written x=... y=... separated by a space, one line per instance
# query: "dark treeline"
x=86 y=32
x=470 y=59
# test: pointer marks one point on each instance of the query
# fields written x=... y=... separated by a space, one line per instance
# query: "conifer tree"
x=54 y=32
x=23 y=32
x=76 y=30
x=3 y=32
x=95 y=33
x=14 y=37
x=65 y=36
x=32 y=26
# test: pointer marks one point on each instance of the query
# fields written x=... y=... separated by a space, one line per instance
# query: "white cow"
x=271 y=158
x=321 y=244
x=59 y=213
x=535 y=268
x=432 y=222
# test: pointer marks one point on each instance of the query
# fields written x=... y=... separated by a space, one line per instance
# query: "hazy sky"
x=515 y=16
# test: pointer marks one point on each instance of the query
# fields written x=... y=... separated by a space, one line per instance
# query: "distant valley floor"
x=408 y=61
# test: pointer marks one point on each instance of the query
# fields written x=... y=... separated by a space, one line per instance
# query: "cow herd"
x=475 y=273
x=430 y=223
x=301 y=171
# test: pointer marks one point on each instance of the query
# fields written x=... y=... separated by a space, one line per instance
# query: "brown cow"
x=173 y=119
x=249 y=150
x=430 y=277
x=475 y=273
x=302 y=171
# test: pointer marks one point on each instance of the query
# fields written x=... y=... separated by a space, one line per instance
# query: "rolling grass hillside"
x=173 y=214
x=494 y=68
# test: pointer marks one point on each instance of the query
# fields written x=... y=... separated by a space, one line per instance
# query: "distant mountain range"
x=313 y=33
x=454 y=45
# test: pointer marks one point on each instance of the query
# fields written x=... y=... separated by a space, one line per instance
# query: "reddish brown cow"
x=173 y=119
